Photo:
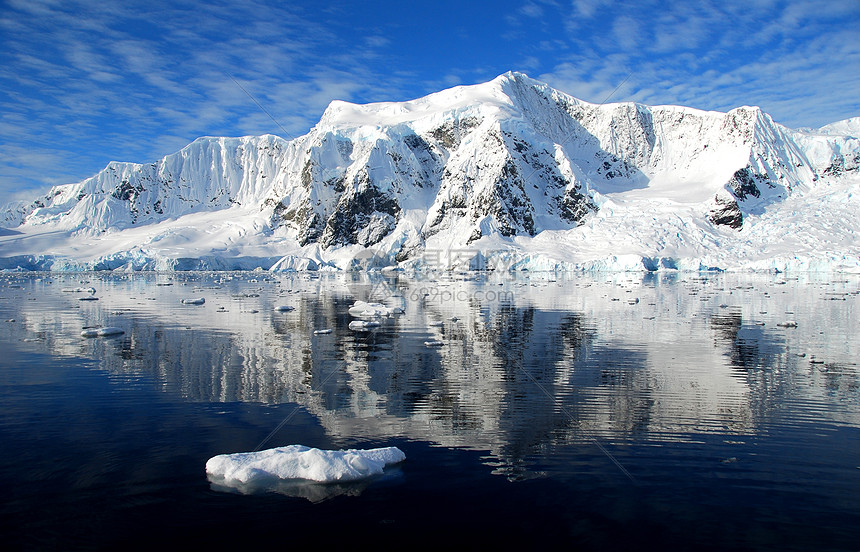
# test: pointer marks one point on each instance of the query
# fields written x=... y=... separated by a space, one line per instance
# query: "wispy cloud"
x=798 y=61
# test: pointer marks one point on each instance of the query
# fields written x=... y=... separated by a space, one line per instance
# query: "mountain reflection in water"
x=526 y=363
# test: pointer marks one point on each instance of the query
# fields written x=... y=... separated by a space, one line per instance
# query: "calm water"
x=715 y=412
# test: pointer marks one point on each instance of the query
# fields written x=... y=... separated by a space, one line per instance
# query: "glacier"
x=506 y=175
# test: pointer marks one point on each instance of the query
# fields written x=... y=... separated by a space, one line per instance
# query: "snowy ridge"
x=520 y=174
x=208 y=174
x=847 y=127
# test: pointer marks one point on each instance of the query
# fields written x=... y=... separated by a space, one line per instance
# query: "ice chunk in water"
x=303 y=463
x=79 y=290
x=285 y=308
x=322 y=332
x=362 y=325
x=101 y=332
x=198 y=301
x=363 y=309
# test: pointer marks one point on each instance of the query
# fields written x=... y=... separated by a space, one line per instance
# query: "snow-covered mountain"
x=509 y=173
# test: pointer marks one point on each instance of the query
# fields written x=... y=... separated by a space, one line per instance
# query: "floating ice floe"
x=284 y=308
x=322 y=332
x=433 y=343
x=198 y=301
x=302 y=463
x=101 y=332
x=362 y=325
x=788 y=324
x=79 y=290
x=363 y=309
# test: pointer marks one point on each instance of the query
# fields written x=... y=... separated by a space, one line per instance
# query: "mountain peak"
x=495 y=94
x=516 y=76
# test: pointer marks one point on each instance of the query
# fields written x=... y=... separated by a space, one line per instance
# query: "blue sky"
x=85 y=82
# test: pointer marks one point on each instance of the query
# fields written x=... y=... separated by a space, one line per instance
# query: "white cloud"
x=627 y=32
x=530 y=9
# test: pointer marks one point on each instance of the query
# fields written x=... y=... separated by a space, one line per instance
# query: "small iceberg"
x=363 y=325
x=433 y=343
x=101 y=332
x=363 y=309
x=323 y=332
x=198 y=301
x=284 y=308
x=298 y=462
x=79 y=290
x=293 y=263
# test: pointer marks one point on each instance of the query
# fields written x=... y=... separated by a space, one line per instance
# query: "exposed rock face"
x=726 y=212
x=744 y=183
x=363 y=215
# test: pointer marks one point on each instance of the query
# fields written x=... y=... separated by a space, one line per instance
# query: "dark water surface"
x=619 y=412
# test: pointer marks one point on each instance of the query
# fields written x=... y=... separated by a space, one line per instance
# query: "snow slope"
x=509 y=174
